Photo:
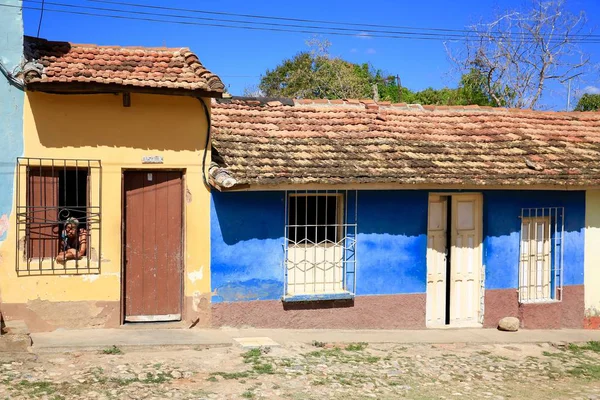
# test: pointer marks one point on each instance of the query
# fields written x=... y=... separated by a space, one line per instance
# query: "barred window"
x=321 y=237
x=58 y=216
x=540 y=267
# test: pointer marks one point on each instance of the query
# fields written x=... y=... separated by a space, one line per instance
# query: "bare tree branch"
x=520 y=52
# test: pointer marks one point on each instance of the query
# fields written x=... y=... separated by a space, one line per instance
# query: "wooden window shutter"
x=42 y=214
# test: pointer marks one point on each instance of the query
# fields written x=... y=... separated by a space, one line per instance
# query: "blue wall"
x=501 y=226
x=247 y=245
x=247 y=241
x=11 y=108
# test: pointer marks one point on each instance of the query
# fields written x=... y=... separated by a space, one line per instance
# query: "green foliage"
x=317 y=75
x=588 y=102
x=113 y=350
x=591 y=346
x=356 y=346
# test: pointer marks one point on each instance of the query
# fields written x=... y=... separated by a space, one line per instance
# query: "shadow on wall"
x=247 y=246
x=153 y=122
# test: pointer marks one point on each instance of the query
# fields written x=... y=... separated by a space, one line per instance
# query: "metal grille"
x=320 y=249
x=541 y=254
x=49 y=193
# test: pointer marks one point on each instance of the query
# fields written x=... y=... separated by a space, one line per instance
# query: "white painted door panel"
x=465 y=263
x=436 y=261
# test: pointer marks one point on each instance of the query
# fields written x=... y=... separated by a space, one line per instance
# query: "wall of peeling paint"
x=247 y=241
x=11 y=111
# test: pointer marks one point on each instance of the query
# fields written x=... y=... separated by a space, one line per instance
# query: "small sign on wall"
x=152 y=160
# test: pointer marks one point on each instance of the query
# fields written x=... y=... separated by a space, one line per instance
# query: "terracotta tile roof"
x=363 y=142
x=160 y=68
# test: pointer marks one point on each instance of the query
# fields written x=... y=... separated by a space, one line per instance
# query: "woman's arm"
x=82 y=243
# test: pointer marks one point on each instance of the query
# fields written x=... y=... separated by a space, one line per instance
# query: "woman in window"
x=73 y=241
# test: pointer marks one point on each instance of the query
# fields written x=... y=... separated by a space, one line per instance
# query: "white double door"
x=454 y=261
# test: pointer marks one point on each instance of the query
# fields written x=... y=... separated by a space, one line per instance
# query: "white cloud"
x=364 y=35
x=371 y=51
x=591 y=90
x=353 y=50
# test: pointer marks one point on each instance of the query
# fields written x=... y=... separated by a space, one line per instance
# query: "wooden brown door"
x=153 y=246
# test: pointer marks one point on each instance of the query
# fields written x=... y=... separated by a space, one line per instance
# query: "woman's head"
x=71 y=225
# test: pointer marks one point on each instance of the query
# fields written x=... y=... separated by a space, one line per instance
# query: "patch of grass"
x=113 y=350
x=158 y=378
x=38 y=387
x=252 y=356
x=319 y=382
x=231 y=375
x=263 y=368
x=335 y=352
x=157 y=365
x=560 y=356
x=316 y=343
x=591 y=346
x=372 y=359
x=248 y=394
x=212 y=379
x=586 y=371
x=484 y=352
x=357 y=346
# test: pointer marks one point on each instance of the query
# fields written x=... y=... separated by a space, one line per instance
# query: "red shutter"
x=42 y=214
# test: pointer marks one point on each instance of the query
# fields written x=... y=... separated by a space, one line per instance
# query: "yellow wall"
x=592 y=253
x=99 y=127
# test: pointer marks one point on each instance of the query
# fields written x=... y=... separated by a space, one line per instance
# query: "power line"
x=406 y=35
x=41 y=18
x=291 y=19
x=363 y=31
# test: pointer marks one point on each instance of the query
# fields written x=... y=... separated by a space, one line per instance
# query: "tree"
x=520 y=52
x=588 y=102
x=315 y=74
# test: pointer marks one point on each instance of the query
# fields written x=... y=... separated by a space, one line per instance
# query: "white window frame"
x=541 y=255
x=318 y=270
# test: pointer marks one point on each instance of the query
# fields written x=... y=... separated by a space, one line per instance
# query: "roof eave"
x=107 y=88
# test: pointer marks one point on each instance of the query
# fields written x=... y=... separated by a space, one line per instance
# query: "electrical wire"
x=289 y=19
x=41 y=18
x=400 y=35
x=11 y=78
x=207 y=144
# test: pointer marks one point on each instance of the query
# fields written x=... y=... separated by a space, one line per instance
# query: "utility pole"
x=399 y=88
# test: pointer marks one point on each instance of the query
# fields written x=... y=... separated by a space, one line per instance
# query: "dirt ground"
x=310 y=371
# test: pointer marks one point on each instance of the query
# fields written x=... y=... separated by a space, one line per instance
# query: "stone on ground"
x=13 y=343
x=509 y=324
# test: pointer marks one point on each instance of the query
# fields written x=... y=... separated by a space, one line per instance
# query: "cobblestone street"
x=310 y=371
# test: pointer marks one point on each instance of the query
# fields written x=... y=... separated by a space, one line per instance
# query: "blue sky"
x=240 y=56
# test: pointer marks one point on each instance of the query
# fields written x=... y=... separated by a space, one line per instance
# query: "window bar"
x=77 y=238
x=305 y=236
x=99 y=215
x=54 y=248
x=89 y=220
x=554 y=260
x=345 y=228
x=562 y=250
x=316 y=244
x=535 y=271
x=295 y=243
x=521 y=269
x=354 y=238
